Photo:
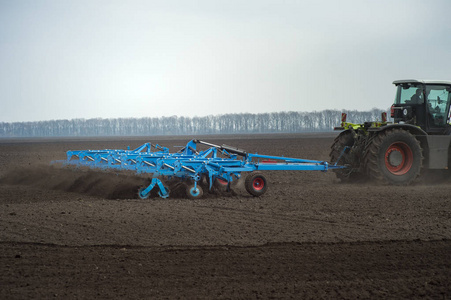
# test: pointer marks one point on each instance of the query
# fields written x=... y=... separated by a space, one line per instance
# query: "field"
x=69 y=233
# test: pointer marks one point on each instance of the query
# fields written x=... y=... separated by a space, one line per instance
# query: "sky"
x=63 y=59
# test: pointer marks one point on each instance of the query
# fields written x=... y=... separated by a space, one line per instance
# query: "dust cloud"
x=106 y=185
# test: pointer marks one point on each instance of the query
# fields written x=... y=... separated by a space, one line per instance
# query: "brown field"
x=69 y=233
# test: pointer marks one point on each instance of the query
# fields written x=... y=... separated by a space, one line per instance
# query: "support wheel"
x=168 y=191
x=140 y=195
x=194 y=192
x=220 y=184
x=256 y=184
x=217 y=182
x=394 y=156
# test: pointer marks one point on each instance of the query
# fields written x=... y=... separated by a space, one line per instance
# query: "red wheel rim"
x=258 y=184
x=398 y=158
x=221 y=182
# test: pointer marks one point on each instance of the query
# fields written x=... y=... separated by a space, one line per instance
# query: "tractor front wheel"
x=394 y=156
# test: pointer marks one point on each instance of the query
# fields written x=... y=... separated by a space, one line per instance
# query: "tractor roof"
x=420 y=81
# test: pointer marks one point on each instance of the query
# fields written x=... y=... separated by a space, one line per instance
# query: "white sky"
x=65 y=59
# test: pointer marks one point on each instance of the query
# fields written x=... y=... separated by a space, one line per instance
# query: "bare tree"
x=276 y=122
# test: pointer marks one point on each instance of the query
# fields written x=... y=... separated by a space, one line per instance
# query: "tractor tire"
x=344 y=139
x=256 y=184
x=394 y=156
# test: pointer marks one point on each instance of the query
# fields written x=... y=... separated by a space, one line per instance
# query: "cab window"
x=438 y=99
x=407 y=94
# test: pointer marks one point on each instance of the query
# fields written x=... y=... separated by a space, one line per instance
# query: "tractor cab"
x=423 y=103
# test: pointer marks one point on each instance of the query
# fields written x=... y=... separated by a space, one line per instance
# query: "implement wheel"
x=394 y=156
x=140 y=195
x=218 y=183
x=256 y=184
x=194 y=192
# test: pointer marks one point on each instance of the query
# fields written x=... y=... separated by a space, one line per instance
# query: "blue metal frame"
x=189 y=163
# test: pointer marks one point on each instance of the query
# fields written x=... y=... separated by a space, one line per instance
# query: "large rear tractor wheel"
x=256 y=184
x=394 y=156
x=345 y=139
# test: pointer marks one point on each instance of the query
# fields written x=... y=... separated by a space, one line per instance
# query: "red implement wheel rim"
x=258 y=184
x=398 y=158
x=221 y=181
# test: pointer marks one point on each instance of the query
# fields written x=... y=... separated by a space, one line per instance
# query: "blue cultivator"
x=219 y=165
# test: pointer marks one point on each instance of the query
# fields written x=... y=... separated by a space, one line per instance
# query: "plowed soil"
x=76 y=233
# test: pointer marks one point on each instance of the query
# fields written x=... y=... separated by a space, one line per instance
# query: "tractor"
x=397 y=152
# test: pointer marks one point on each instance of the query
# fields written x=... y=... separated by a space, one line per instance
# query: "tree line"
x=276 y=122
